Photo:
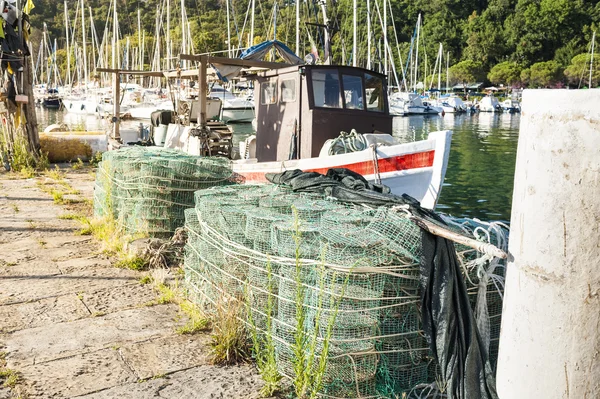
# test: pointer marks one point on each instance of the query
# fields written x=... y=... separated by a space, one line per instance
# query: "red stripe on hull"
x=391 y=164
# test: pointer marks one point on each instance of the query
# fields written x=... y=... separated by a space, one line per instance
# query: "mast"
x=441 y=55
x=447 y=71
x=368 y=34
x=94 y=37
x=592 y=59
x=183 y=33
x=327 y=55
x=141 y=54
x=228 y=30
x=85 y=68
x=385 y=56
x=68 y=80
x=251 y=41
x=297 y=25
x=169 y=34
x=417 y=54
x=114 y=38
x=355 y=39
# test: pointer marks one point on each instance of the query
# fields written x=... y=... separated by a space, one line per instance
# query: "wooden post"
x=117 y=105
x=203 y=83
x=33 y=137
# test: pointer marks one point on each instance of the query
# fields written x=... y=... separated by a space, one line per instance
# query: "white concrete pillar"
x=550 y=338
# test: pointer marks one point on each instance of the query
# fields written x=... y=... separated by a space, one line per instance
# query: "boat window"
x=326 y=89
x=353 y=92
x=268 y=92
x=288 y=91
x=374 y=93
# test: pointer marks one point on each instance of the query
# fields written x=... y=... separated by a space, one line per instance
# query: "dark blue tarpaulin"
x=257 y=53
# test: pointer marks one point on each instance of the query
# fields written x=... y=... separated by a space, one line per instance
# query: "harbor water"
x=479 y=179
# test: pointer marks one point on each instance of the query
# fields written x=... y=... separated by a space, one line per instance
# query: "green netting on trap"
x=336 y=287
x=148 y=189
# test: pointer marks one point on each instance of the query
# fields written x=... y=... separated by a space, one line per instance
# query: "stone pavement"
x=72 y=325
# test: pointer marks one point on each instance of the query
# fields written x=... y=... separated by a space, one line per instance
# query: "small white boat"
x=144 y=110
x=489 y=103
x=412 y=104
x=81 y=106
x=235 y=109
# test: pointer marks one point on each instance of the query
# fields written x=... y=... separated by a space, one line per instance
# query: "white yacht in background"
x=411 y=104
x=489 y=103
x=452 y=104
x=234 y=109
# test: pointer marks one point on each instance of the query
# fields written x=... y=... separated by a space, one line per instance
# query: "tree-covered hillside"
x=541 y=43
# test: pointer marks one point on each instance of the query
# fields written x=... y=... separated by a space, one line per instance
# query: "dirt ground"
x=72 y=325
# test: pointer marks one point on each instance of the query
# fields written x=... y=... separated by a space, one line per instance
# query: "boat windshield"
x=338 y=89
x=326 y=89
x=374 y=92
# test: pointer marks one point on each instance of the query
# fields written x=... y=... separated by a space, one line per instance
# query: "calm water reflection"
x=479 y=180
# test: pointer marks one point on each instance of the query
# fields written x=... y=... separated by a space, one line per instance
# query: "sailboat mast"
x=592 y=59
x=68 y=80
x=85 y=68
x=385 y=55
x=368 y=34
x=183 y=33
x=114 y=36
x=447 y=71
x=441 y=55
x=94 y=37
x=168 y=34
x=355 y=39
x=141 y=54
x=297 y=25
x=417 y=54
x=228 y=30
x=251 y=42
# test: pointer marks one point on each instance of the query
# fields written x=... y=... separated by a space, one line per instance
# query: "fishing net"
x=335 y=286
x=148 y=189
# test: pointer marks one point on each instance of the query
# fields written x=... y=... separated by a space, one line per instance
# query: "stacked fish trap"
x=332 y=285
x=148 y=189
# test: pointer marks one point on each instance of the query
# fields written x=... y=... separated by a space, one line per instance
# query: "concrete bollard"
x=550 y=337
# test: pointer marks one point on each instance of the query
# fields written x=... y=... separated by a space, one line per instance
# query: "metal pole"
x=297 y=25
x=385 y=55
x=368 y=34
x=592 y=59
x=228 y=31
x=85 y=66
x=252 y=25
x=68 y=80
x=354 y=35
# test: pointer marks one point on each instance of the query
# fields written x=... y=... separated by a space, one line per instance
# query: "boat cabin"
x=299 y=108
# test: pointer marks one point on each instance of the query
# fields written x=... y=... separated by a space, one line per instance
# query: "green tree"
x=467 y=72
x=508 y=73
x=578 y=71
x=545 y=74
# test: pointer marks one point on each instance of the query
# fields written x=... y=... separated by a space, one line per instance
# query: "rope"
x=348 y=142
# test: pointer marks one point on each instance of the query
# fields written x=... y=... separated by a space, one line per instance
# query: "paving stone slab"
x=74 y=264
x=203 y=382
x=77 y=375
x=34 y=267
x=50 y=342
x=42 y=312
x=113 y=299
x=37 y=286
x=166 y=355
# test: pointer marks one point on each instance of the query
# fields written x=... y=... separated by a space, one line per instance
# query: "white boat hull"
x=81 y=107
x=416 y=169
x=238 y=115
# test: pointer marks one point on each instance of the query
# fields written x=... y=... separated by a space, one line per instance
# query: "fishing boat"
x=301 y=108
